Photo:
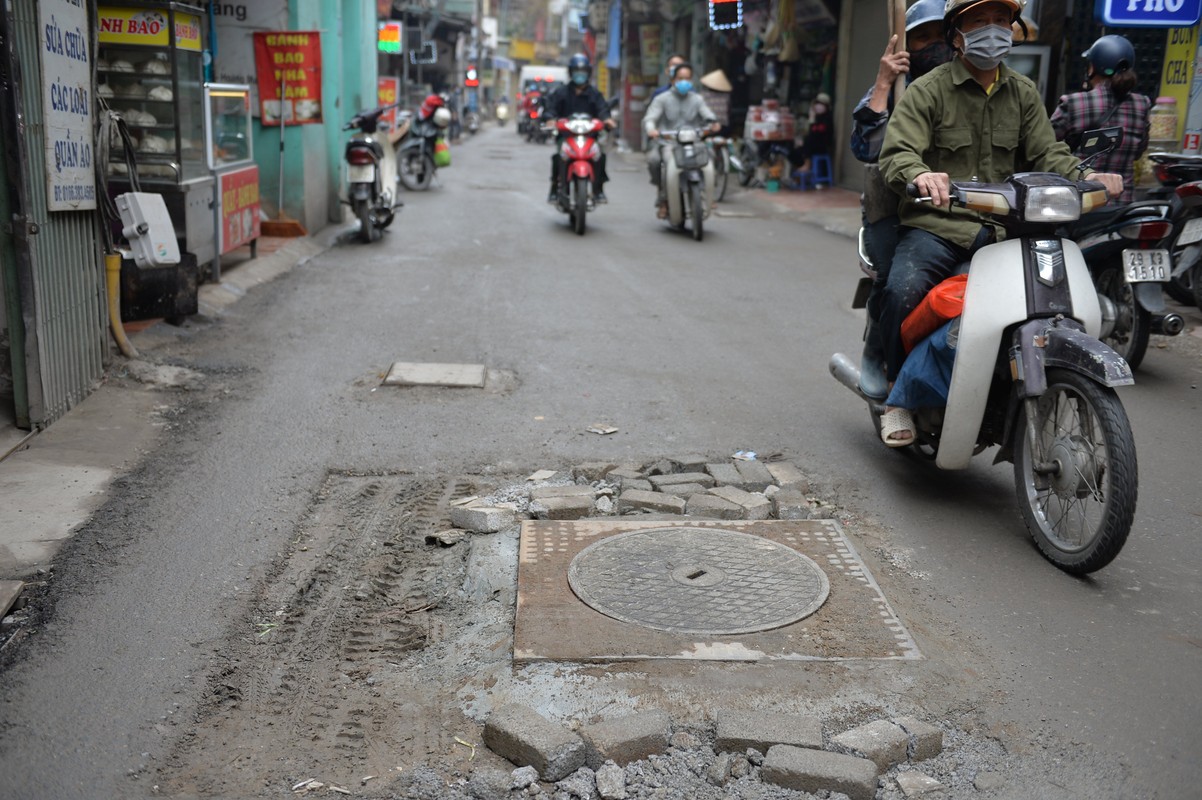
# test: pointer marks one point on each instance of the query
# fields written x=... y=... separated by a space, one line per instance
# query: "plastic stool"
x=820 y=173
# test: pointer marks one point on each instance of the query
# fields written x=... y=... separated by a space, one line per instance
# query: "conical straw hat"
x=716 y=81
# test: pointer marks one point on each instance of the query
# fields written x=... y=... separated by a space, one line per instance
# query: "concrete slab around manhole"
x=405 y=373
x=553 y=624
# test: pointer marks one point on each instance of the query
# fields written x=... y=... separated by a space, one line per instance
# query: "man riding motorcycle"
x=578 y=97
x=971 y=119
x=679 y=108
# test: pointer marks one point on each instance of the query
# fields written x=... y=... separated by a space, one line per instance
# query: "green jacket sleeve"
x=911 y=127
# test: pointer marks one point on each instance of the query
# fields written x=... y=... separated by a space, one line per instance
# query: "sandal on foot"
x=894 y=421
x=662 y=211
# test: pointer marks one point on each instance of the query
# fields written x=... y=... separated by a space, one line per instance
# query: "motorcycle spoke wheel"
x=1130 y=335
x=697 y=210
x=417 y=170
x=1075 y=472
x=368 y=232
x=721 y=173
x=580 y=203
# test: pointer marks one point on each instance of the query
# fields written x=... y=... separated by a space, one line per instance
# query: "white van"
x=543 y=77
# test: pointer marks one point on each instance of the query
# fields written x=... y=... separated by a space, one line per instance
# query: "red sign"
x=239 y=207
x=388 y=90
x=289 y=68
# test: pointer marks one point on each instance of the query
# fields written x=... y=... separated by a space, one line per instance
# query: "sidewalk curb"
x=215 y=298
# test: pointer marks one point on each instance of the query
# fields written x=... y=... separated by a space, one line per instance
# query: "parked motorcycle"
x=1180 y=177
x=371 y=171
x=1123 y=248
x=688 y=179
x=419 y=148
x=579 y=152
x=1031 y=377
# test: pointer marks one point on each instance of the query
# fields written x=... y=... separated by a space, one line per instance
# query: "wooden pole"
x=897 y=27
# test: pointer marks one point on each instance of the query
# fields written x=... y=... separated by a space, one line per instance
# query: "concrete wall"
x=863 y=34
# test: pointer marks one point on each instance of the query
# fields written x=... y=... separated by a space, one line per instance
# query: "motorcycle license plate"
x=1142 y=266
x=356 y=173
x=1191 y=232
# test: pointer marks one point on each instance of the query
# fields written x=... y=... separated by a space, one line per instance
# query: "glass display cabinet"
x=230 y=151
x=150 y=70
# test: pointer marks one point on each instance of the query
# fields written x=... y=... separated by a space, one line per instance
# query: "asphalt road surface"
x=705 y=347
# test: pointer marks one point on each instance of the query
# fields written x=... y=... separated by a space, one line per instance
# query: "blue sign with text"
x=1149 y=13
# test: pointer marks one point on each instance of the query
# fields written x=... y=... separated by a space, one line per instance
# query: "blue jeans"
x=921 y=261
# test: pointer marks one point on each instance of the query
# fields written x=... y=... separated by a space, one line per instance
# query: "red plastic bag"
x=945 y=301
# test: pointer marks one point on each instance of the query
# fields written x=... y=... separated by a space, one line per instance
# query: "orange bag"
x=945 y=301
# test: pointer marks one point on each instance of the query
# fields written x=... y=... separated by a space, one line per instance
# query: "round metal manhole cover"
x=698 y=581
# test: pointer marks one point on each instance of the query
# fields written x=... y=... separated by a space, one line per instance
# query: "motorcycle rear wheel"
x=580 y=204
x=1079 y=511
x=1130 y=336
x=368 y=232
x=749 y=157
x=1183 y=287
x=721 y=171
x=697 y=210
x=417 y=170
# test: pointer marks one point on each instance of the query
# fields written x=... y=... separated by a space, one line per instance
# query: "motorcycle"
x=537 y=129
x=418 y=163
x=688 y=179
x=1031 y=377
x=1180 y=177
x=720 y=151
x=579 y=153
x=1122 y=248
x=472 y=121
x=502 y=113
x=371 y=170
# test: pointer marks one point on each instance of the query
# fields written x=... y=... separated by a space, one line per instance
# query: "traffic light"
x=726 y=14
x=471 y=78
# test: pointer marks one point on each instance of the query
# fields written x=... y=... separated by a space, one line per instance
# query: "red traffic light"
x=471 y=78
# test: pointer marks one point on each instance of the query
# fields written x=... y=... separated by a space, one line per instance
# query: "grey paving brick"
x=689 y=462
x=626 y=473
x=482 y=519
x=813 y=771
x=577 y=507
x=679 y=478
x=625 y=739
x=571 y=490
x=527 y=738
x=712 y=507
x=786 y=474
x=724 y=474
x=755 y=506
x=753 y=476
x=593 y=470
x=926 y=741
x=685 y=490
x=759 y=730
x=640 y=484
x=881 y=741
x=649 y=501
x=790 y=503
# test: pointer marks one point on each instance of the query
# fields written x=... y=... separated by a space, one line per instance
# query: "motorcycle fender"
x=580 y=169
x=412 y=143
x=360 y=191
x=1150 y=297
x=692 y=176
x=1076 y=350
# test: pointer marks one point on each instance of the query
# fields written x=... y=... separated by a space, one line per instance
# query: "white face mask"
x=986 y=47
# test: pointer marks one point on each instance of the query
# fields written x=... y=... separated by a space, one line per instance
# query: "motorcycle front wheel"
x=721 y=171
x=1130 y=335
x=696 y=210
x=417 y=170
x=749 y=158
x=580 y=204
x=368 y=232
x=1075 y=472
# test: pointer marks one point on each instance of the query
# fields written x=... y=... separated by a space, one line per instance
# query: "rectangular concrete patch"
x=552 y=624
x=406 y=373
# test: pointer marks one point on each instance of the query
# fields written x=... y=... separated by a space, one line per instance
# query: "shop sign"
x=650 y=49
x=1149 y=13
x=147 y=27
x=67 y=105
x=388 y=90
x=239 y=207
x=1177 y=77
x=291 y=61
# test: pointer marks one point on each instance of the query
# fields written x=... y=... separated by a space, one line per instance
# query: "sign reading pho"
x=1149 y=13
x=67 y=105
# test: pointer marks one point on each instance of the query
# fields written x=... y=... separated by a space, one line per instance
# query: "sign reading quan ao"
x=67 y=105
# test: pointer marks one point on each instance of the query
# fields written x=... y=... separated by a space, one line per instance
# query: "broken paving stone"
x=753 y=476
x=786 y=474
x=709 y=506
x=755 y=506
x=663 y=467
x=914 y=783
x=542 y=475
x=522 y=777
x=685 y=490
x=636 y=499
x=445 y=538
x=661 y=482
x=790 y=504
x=881 y=741
x=723 y=474
x=572 y=490
x=483 y=519
x=611 y=781
x=626 y=472
x=926 y=741
x=592 y=470
x=691 y=462
x=604 y=505
x=603 y=430
x=569 y=507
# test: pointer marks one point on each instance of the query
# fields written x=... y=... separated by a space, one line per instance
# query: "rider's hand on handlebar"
x=611 y=124
x=653 y=134
x=1112 y=182
x=935 y=185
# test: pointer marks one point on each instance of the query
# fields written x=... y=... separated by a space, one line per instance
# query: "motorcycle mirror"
x=1098 y=141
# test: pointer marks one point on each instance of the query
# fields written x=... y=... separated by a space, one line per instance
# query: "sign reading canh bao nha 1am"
x=67 y=105
x=289 y=72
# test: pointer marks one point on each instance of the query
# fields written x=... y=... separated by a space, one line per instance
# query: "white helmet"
x=442 y=117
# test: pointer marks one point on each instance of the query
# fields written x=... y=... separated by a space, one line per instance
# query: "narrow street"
x=256 y=603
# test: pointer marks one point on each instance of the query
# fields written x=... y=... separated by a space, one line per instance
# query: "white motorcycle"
x=1031 y=377
x=373 y=184
x=688 y=179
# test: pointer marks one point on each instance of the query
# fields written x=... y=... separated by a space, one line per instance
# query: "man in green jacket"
x=971 y=119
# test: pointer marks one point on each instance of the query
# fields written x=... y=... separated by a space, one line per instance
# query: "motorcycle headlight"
x=1052 y=204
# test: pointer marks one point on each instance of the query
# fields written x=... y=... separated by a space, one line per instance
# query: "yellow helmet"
x=954 y=8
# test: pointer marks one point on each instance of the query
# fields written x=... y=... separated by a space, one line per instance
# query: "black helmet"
x=579 y=62
x=1111 y=55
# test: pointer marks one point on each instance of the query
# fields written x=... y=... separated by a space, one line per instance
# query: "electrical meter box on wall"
x=148 y=228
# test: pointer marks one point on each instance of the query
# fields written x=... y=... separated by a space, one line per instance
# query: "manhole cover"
x=702 y=581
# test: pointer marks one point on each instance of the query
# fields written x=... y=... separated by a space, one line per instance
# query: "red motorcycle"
x=579 y=151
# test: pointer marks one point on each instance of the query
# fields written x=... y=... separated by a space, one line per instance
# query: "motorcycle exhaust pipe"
x=847 y=372
x=1168 y=324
